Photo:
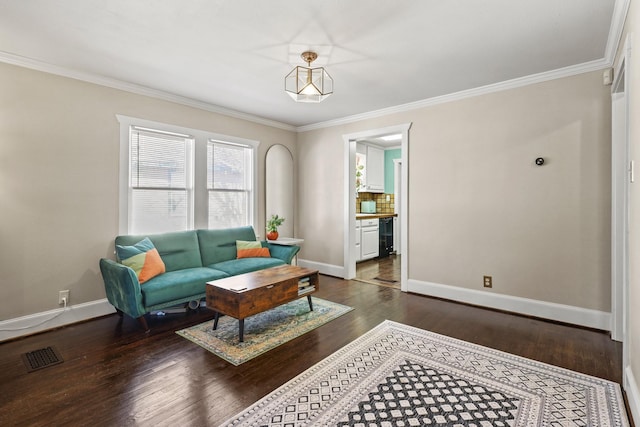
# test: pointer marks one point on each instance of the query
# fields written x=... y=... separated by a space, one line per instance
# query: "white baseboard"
x=546 y=310
x=633 y=395
x=328 y=269
x=45 y=320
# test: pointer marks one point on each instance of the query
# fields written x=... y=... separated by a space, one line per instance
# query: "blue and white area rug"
x=264 y=331
x=398 y=375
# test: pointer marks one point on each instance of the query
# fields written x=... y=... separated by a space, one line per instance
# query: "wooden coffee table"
x=247 y=294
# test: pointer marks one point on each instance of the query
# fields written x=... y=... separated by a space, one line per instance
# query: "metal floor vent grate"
x=41 y=358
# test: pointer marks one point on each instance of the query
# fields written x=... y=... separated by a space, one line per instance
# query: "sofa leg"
x=143 y=322
x=120 y=312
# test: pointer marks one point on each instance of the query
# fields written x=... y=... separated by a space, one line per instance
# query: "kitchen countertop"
x=375 y=215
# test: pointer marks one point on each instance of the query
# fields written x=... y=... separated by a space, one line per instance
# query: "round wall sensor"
x=539 y=161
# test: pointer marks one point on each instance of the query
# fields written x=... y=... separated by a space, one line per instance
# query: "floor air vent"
x=41 y=358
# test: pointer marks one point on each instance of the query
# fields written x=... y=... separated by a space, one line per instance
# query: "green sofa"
x=191 y=258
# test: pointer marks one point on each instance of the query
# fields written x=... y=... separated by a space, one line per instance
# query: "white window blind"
x=160 y=181
x=229 y=184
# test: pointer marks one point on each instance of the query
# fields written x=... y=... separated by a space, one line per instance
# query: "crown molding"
x=470 y=93
x=616 y=29
x=166 y=96
x=620 y=9
x=33 y=64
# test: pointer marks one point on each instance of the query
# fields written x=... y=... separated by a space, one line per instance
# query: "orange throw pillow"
x=247 y=249
x=143 y=258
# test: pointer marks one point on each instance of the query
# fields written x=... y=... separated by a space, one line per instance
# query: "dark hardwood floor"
x=115 y=375
x=383 y=271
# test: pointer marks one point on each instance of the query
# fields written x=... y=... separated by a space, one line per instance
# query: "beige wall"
x=482 y=206
x=477 y=203
x=476 y=199
x=59 y=181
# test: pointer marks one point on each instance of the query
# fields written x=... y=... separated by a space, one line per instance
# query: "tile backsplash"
x=382 y=205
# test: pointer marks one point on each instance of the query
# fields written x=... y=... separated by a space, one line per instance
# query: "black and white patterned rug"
x=398 y=375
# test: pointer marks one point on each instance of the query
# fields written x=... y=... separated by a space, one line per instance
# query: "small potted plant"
x=272 y=227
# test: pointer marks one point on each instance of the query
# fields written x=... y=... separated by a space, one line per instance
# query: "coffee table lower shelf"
x=241 y=321
x=248 y=294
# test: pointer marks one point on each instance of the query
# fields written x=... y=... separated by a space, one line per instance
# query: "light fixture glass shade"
x=308 y=84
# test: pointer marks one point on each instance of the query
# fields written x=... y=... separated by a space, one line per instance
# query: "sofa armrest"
x=283 y=252
x=122 y=287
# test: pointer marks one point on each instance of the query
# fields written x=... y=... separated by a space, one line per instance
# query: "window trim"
x=199 y=176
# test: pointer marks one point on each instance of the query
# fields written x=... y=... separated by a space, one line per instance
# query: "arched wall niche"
x=279 y=188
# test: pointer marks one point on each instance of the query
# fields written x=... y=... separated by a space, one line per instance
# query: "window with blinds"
x=229 y=184
x=160 y=182
x=174 y=178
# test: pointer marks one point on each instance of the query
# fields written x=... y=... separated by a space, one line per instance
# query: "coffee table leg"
x=310 y=303
x=215 y=320
x=241 y=331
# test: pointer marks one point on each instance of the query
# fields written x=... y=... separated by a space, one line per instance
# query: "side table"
x=288 y=241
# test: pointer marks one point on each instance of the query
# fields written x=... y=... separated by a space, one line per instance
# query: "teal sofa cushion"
x=220 y=245
x=175 y=285
x=178 y=250
x=246 y=265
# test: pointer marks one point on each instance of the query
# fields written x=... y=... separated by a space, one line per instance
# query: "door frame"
x=349 y=219
x=397 y=201
x=620 y=177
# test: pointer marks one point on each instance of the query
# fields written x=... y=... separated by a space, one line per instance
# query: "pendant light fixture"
x=306 y=84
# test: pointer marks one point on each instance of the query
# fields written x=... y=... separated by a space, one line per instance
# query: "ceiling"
x=234 y=54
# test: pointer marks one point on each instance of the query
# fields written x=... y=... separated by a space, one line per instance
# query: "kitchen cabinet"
x=369 y=238
x=375 y=169
x=369 y=168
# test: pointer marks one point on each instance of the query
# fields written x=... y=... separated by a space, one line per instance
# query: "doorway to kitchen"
x=388 y=270
x=385 y=271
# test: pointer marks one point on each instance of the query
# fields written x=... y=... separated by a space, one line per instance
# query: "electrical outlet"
x=488 y=282
x=63 y=295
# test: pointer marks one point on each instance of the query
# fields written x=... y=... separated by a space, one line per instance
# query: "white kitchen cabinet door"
x=375 y=169
x=370 y=243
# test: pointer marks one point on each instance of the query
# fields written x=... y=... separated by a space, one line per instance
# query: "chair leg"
x=120 y=312
x=143 y=322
